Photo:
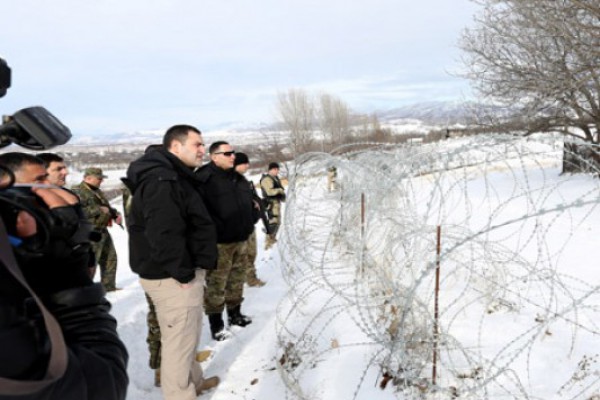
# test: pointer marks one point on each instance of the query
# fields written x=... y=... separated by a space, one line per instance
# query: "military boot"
x=157 y=377
x=207 y=384
x=255 y=282
x=217 y=327
x=236 y=317
x=270 y=240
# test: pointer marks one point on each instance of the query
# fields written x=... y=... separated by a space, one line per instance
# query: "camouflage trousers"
x=274 y=214
x=106 y=258
x=153 y=338
x=331 y=182
x=225 y=285
x=249 y=258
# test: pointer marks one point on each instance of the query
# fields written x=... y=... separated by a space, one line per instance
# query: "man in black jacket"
x=229 y=200
x=172 y=242
x=241 y=165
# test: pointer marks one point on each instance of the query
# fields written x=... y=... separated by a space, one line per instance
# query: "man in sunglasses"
x=229 y=200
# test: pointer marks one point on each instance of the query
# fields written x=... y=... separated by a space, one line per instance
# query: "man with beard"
x=172 y=243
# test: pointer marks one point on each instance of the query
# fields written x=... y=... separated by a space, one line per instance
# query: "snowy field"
x=518 y=305
x=246 y=363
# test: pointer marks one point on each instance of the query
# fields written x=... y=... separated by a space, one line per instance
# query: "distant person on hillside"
x=172 y=243
x=241 y=165
x=274 y=194
x=99 y=212
x=332 y=178
x=56 y=168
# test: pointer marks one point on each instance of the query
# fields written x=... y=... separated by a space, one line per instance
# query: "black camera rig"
x=34 y=128
x=37 y=129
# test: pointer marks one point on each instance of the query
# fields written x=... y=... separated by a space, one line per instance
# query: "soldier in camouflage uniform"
x=98 y=211
x=153 y=340
x=273 y=193
x=332 y=178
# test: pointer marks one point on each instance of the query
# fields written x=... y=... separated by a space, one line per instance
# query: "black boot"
x=217 y=327
x=236 y=317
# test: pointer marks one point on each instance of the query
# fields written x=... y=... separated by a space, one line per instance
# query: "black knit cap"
x=273 y=165
x=241 y=158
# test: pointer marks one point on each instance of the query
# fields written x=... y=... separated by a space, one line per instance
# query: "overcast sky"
x=106 y=66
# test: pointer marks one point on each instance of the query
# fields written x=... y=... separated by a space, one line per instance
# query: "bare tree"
x=542 y=58
x=334 y=121
x=296 y=112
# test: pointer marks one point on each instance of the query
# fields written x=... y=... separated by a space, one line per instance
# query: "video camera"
x=37 y=129
x=34 y=128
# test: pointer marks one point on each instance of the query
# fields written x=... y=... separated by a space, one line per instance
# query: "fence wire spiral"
x=518 y=300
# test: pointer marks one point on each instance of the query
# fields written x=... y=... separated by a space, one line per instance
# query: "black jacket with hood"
x=171 y=232
x=229 y=199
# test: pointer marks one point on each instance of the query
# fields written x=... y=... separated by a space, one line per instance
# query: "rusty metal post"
x=362 y=229
x=362 y=216
x=436 y=306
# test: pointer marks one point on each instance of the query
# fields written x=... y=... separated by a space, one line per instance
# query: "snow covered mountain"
x=432 y=114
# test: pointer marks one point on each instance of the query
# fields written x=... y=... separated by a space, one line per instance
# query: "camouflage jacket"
x=272 y=189
x=91 y=200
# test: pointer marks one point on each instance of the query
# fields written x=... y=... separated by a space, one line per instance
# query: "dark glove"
x=21 y=349
x=51 y=273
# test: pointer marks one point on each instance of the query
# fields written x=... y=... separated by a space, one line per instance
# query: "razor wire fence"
x=513 y=241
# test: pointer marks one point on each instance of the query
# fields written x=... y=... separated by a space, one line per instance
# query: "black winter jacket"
x=170 y=230
x=229 y=199
x=97 y=359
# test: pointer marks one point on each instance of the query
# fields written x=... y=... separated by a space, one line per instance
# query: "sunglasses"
x=226 y=153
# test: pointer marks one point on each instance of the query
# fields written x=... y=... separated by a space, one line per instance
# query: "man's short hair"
x=152 y=147
x=15 y=160
x=215 y=146
x=273 y=165
x=50 y=158
x=178 y=133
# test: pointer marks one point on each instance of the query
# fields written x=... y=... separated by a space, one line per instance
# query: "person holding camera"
x=58 y=339
x=26 y=168
x=99 y=212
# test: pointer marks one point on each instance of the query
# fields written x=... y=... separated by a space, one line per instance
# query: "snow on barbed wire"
x=519 y=292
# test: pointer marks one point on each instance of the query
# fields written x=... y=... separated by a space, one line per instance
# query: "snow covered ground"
x=553 y=350
x=246 y=363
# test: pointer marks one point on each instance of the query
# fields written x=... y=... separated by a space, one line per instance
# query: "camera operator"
x=58 y=339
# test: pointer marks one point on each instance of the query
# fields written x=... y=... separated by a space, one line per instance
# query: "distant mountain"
x=414 y=117
x=155 y=136
x=438 y=113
